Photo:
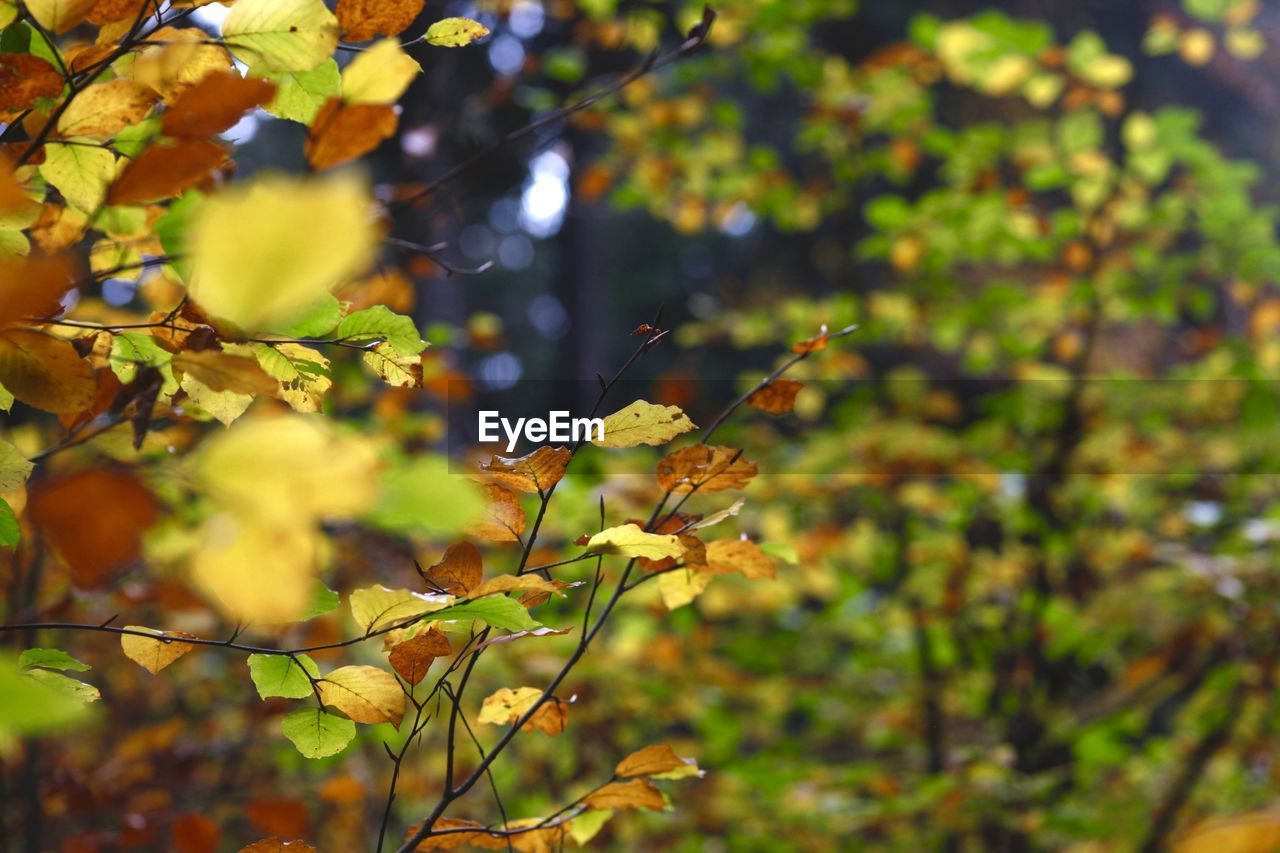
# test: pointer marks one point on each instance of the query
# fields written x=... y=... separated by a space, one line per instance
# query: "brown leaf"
x=32 y=287
x=654 y=760
x=632 y=794
x=507 y=583
x=45 y=371
x=154 y=655
x=342 y=132
x=24 y=78
x=214 y=104
x=194 y=833
x=95 y=519
x=708 y=468
x=776 y=398
x=225 y=372
x=275 y=845
x=451 y=840
x=164 y=170
x=505 y=517
x=533 y=472
x=110 y=11
x=412 y=658
x=361 y=20
x=550 y=719
x=809 y=345
x=280 y=816
x=458 y=572
x=739 y=555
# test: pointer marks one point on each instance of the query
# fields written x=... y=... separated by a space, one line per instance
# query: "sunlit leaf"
x=705 y=469
x=103 y=109
x=361 y=20
x=629 y=540
x=379 y=75
x=215 y=103
x=317 y=734
x=80 y=170
x=283 y=675
x=533 y=472
x=366 y=694
x=659 y=761
x=455 y=32
x=377 y=607
x=644 y=423
x=632 y=794
x=154 y=655
x=281 y=35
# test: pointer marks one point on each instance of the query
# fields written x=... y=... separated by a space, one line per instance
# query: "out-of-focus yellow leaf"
x=59 y=15
x=266 y=251
x=256 y=572
x=366 y=694
x=1254 y=832
x=154 y=655
x=644 y=423
x=379 y=75
x=681 y=586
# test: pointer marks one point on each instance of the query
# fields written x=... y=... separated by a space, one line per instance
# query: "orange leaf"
x=776 y=398
x=194 y=833
x=163 y=170
x=739 y=555
x=633 y=794
x=361 y=20
x=809 y=345
x=654 y=760
x=24 y=78
x=533 y=472
x=343 y=132
x=412 y=658
x=215 y=103
x=275 y=845
x=110 y=11
x=94 y=519
x=279 y=816
x=32 y=287
x=450 y=840
x=707 y=468
x=458 y=572
x=505 y=517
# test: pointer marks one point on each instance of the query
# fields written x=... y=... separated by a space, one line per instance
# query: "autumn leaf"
x=679 y=587
x=297 y=845
x=102 y=110
x=453 y=839
x=776 y=398
x=163 y=170
x=505 y=519
x=705 y=468
x=379 y=75
x=632 y=794
x=213 y=104
x=80 y=170
x=412 y=658
x=254 y=570
x=376 y=607
x=24 y=79
x=455 y=32
x=630 y=541
x=361 y=20
x=33 y=287
x=341 y=132
x=739 y=555
x=659 y=761
x=154 y=655
x=507 y=706
x=810 y=345
x=317 y=734
x=224 y=372
x=534 y=472
x=194 y=833
x=644 y=423
x=59 y=15
x=178 y=60
x=508 y=583
x=366 y=694
x=281 y=35
x=265 y=251
x=458 y=572
x=94 y=545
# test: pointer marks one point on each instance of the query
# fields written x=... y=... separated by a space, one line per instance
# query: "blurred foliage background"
x=1029 y=510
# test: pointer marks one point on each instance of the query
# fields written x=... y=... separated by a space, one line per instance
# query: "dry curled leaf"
x=458 y=572
x=24 y=78
x=533 y=472
x=776 y=398
x=362 y=20
x=342 y=132
x=706 y=468
x=412 y=658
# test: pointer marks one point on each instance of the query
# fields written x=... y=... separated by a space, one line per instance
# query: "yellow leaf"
x=226 y=406
x=179 y=59
x=507 y=705
x=633 y=794
x=288 y=470
x=644 y=423
x=81 y=173
x=153 y=655
x=379 y=75
x=281 y=35
x=45 y=371
x=507 y=583
x=266 y=251
x=366 y=694
x=59 y=15
x=256 y=572
x=104 y=109
x=739 y=555
x=225 y=372
x=1254 y=832
x=376 y=607
x=659 y=761
x=681 y=586
x=455 y=32
x=630 y=541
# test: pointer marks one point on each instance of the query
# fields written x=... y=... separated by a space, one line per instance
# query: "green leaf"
x=380 y=322
x=781 y=551
x=8 y=525
x=423 y=496
x=315 y=321
x=455 y=32
x=281 y=35
x=586 y=825
x=50 y=659
x=323 y=600
x=80 y=172
x=301 y=94
x=6 y=399
x=496 y=610
x=281 y=675
x=316 y=733
x=14 y=467
x=67 y=686
x=31 y=706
